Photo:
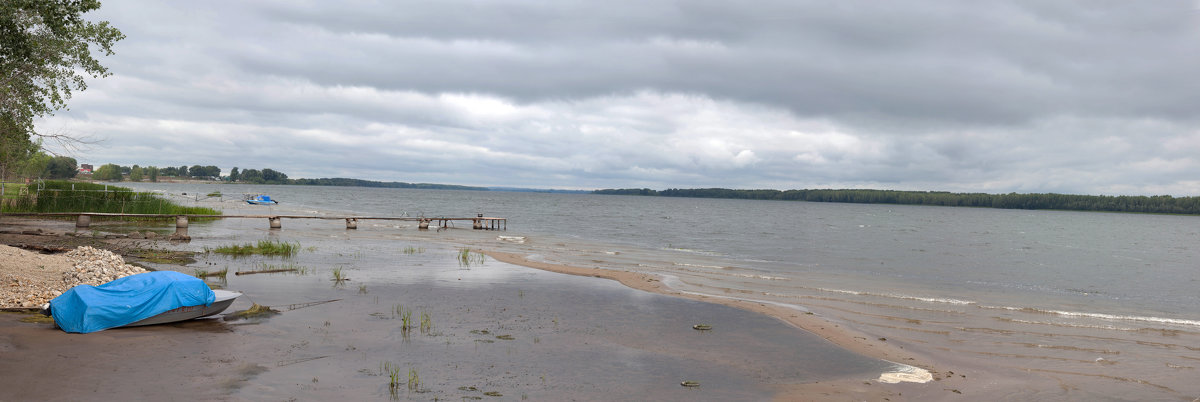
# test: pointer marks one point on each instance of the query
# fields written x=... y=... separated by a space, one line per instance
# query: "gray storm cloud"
x=996 y=96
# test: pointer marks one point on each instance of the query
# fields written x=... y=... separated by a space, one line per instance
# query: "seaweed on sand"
x=255 y=311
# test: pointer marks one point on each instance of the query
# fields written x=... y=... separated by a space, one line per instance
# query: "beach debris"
x=906 y=373
x=512 y=239
x=256 y=310
x=282 y=363
x=702 y=327
x=266 y=271
x=690 y=384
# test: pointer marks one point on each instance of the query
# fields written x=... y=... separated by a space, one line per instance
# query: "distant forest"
x=1159 y=204
x=337 y=181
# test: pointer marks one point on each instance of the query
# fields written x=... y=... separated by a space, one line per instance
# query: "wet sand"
x=498 y=331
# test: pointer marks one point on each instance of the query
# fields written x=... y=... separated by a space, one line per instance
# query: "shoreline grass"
x=64 y=196
x=263 y=247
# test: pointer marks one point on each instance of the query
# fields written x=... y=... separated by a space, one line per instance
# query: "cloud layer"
x=994 y=96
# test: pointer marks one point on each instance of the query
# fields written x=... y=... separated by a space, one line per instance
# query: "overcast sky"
x=1089 y=97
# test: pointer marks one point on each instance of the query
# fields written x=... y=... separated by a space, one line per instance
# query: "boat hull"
x=224 y=299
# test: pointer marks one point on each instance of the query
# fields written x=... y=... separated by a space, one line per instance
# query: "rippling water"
x=1100 y=304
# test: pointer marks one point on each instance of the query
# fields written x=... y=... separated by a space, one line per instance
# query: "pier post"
x=275 y=222
x=83 y=221
x=424 y=225
x=351 y=223
x=181 y=222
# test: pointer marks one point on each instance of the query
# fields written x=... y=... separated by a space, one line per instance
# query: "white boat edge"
x=224 y=299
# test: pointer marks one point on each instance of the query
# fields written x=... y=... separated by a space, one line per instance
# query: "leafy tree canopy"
x=45 y=52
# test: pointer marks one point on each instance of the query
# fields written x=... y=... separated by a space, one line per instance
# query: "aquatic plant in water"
x=393 y=372
x=414 y=381
x=426 y=323
x=467 y=258
x=263 y=247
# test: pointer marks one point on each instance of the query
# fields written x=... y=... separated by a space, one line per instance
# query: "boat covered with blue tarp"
x=128 y=300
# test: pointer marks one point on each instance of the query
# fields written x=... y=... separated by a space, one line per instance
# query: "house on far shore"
x=85 y=168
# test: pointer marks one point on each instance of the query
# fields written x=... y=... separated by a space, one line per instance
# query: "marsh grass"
x=410 y=250
x=426 y=323
x=263 y=247
x=393 y=373
x=405 y=316
x=467 y=258
x=200 y=273
x=414 y=379
x=338 y=276
x=63 y=196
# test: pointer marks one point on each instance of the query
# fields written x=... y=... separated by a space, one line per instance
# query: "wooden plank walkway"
x=83 y=219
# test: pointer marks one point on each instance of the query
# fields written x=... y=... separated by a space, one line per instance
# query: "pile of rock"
x=95 y=267
x=32 y=283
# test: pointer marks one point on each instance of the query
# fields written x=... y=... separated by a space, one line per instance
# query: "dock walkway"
x=84 y=219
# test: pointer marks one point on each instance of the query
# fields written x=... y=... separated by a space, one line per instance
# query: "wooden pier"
x=84 y=219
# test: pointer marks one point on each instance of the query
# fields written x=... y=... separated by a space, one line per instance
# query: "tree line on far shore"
x=1160 y=204
x=112 y=172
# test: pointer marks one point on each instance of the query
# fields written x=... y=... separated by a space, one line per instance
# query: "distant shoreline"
x=1159 y=204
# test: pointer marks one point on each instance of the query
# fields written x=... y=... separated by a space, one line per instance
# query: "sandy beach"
x=336 y=347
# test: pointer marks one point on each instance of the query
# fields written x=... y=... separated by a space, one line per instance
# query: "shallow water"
x=1103 y=304
x=499 y=328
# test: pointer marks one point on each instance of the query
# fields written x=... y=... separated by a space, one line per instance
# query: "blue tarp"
x=87 y=308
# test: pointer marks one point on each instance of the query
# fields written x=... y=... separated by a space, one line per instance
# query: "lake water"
x=1100 y=305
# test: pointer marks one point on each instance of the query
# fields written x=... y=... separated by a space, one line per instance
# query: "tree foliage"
x=109 y=172
x=1163 y=204
x=136 y=173
x=45 y=52
x=61 y=167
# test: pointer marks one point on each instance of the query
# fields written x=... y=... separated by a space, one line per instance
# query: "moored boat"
x=260 y=199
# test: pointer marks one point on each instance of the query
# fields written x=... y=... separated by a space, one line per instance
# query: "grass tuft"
x=263 y=247
x=467 y=258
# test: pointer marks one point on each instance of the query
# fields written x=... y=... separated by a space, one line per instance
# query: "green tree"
x=182 y=171
x=61 y=167
x=233 y=174
x=153 y=173
x=45 y=52
x=15 y=151
x=108 y=172
x=35 y=165
x=251 y=176
x=136 y=173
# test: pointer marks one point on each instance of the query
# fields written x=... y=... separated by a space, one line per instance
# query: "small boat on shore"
x=143 y=299
x=260 y=199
